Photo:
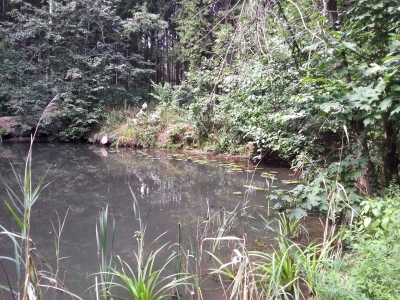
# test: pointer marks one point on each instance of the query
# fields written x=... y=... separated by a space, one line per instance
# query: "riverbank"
x=159 y=128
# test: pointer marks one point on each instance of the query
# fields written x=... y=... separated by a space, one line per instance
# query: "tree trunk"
x=365 y=183
x=390 y=159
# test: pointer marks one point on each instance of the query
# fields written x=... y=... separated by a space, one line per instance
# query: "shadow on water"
x=171 y=188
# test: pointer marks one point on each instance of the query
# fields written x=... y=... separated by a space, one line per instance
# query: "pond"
x=171 y=189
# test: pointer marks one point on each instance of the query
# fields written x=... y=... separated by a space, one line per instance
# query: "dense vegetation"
x=300 y=78
x=315 y=81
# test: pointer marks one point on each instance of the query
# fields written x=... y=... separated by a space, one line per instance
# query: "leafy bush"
x=167 y=94
x=371 y=270
x=376 y=265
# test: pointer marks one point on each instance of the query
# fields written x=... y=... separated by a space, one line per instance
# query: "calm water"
x=173 y=188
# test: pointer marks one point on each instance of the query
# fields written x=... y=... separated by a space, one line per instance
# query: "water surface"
x=171 y=188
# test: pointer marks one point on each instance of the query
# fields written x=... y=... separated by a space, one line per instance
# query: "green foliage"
x=116 y=117
x=251 y=99
x=334 y=285
x=142 y=135
x=3 y=131
x=376 y=266
x=371 y=274
x=194 y=20
x=328 y=189
x=291 y=228
x=78 y=50
x=282 y=260
x=145 y=283
x=379 y=215
x=134 y=127
x=176 y=135
x=303 y=92
x=167 y=94
x=371 y=270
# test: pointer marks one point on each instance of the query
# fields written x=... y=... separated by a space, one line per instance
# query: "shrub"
x=371 y=270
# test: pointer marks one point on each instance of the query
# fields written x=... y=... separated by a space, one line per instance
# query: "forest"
x=313 y=82
x=302 y=79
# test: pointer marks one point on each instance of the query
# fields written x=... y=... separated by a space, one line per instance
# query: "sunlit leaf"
x=20 y=223
x=350 y=45
x=385 y=222
x=386 y=103
x=367 y=221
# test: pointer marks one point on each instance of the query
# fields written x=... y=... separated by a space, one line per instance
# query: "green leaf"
x=372 y=70
x=386 y=103
x=20 y=223
x=297 y=213
x=311 y=201
x=328 y=106
x=396 y=110
x=337 y=33
x=395 y=88
x=386 y=58
x=367 y=221
x=376 y=212
x=350 y=45
x=385 y=222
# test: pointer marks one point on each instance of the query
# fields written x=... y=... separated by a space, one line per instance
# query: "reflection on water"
x=171 y=188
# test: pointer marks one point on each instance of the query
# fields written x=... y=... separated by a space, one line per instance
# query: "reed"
x=29 y=279
x=291 y=228
x=105 y=264
x=146 y=281
x=21 y=207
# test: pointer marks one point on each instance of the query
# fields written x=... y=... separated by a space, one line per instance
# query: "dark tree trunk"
x=331 y=8
x=390 y=160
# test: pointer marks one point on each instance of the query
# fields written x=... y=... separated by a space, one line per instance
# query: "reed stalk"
x=25 y=253
x=105 y=264
x=145 y=282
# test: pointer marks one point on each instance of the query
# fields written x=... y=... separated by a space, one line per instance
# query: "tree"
x=367 y=52
x=304 y=78
x=79 y=50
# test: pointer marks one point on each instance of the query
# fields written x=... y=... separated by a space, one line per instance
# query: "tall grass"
x=145 y=281
x=105 y=264
x=21 y=207
x=289 y=271
x=29 y=279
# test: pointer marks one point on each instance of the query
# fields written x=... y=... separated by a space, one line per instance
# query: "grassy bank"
x=164 y=126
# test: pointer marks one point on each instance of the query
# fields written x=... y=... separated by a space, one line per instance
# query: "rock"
x=105 y=140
